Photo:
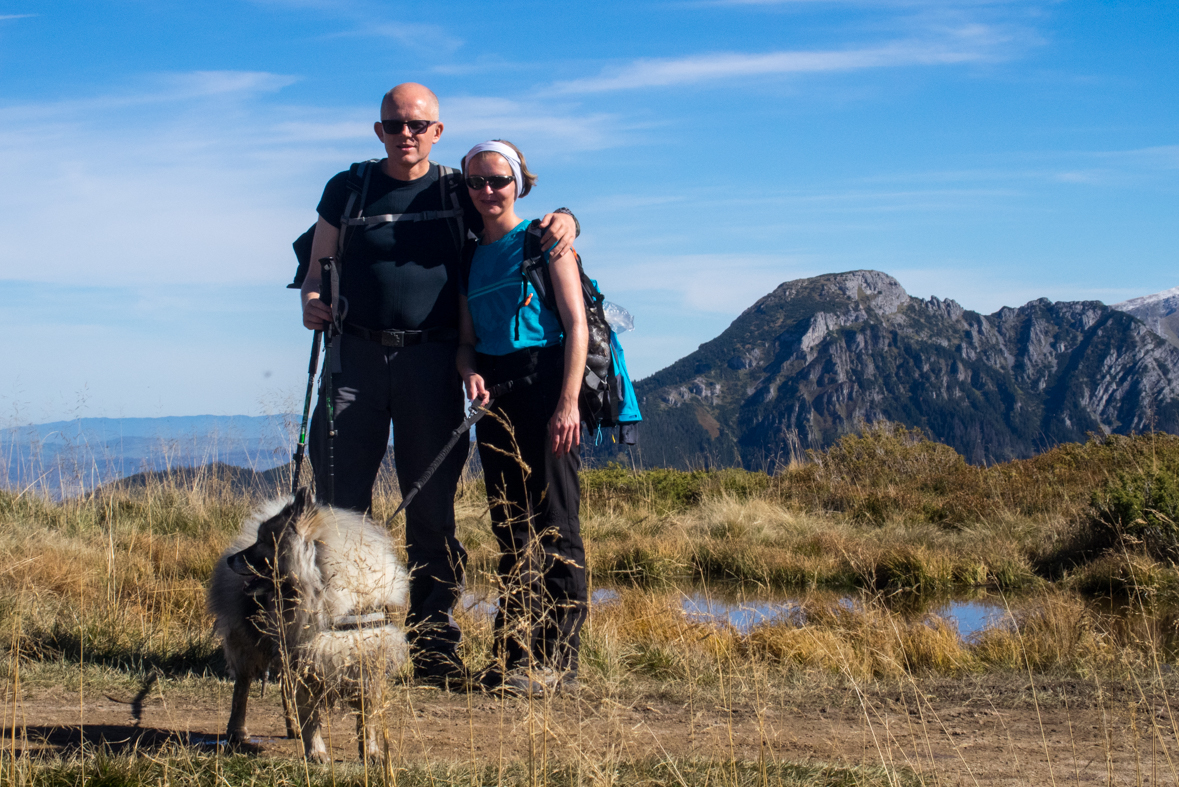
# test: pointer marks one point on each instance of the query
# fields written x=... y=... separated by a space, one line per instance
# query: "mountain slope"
x=817 y=357
x=1160 y=312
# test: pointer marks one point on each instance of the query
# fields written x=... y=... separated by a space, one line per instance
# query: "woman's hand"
x=565 y=427
x=476 y=389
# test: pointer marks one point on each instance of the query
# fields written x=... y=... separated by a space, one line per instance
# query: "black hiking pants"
x=417 y=389
x=534 y=515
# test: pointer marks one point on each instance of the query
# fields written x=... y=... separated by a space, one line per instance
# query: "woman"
x=529 y=444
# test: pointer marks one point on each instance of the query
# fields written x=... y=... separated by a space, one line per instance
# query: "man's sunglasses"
x=415 y=126
x=497 y=182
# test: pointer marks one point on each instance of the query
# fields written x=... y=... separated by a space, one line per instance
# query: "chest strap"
x=401 y=338
x=387 y=218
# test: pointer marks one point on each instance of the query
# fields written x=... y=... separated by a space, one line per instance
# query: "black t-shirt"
x=400 y=275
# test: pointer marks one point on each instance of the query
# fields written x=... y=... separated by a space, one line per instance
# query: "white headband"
x=498 y=147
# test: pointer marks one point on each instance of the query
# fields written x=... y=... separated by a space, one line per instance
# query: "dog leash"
x=496 y=391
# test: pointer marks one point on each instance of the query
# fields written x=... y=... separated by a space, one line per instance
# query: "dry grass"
x=109 y=589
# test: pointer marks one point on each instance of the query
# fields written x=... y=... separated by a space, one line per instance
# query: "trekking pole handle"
x=326 y=264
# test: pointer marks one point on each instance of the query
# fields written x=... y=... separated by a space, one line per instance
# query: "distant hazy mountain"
x=816 y=358
x=66 y=457
x=1160 y=312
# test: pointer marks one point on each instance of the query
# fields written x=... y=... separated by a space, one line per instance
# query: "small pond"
x=971 y=612
x=744 y=613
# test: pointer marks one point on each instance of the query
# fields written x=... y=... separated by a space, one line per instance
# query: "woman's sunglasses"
x=497 y=182
x=415 y=126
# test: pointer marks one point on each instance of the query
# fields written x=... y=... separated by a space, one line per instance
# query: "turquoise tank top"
x=505 y=309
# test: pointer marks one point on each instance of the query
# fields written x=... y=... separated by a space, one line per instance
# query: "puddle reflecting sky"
x=969 y=615
x=744 y=611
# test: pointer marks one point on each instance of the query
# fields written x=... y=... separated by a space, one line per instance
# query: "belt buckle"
x=393 y=338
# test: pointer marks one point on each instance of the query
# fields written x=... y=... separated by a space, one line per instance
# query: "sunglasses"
x=497 y=182
x=415 y=126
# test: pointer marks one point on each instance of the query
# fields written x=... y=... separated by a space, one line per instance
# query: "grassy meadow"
x=104 y=595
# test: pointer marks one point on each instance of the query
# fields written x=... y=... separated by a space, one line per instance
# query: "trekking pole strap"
x=500 y=390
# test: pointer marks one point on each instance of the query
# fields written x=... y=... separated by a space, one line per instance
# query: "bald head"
x=407 y=95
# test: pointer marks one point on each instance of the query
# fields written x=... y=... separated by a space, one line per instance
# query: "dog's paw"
x=239 y=742
x=316 y=750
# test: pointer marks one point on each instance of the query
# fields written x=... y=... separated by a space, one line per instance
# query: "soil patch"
x=959 y=739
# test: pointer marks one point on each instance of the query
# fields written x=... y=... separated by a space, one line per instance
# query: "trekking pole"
x=299 y=450
x=460 y=430
x=327 y=293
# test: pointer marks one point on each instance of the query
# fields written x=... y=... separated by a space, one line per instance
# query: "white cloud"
x=552 y=127
x=976 y=44
x=200 y=84
x=206 y=176
x=1084 y=167
x=873 y=4
x=707 y=283
x=7 y=17
x=422 y=37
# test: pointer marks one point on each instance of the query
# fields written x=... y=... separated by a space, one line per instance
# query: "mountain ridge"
x=818 y=357
x=1159 y=311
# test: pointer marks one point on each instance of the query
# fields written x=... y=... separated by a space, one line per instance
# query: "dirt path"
x=960 y=741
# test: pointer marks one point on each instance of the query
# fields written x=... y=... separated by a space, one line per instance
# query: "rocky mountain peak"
x=819 y=357
x=1160 y=312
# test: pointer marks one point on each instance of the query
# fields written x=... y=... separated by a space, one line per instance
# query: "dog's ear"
x=303 y=501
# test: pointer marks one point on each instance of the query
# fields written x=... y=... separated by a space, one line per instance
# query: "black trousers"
x=534 y=498
x=418 y=390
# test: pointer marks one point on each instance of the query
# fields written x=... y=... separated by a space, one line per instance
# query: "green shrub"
x=1139 y=509
x=668 y=489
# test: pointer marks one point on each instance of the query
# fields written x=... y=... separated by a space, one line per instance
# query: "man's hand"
x=316 y=313
x=560 y=232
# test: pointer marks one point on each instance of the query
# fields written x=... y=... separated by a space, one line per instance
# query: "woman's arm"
x=465 y=360
x=565 y=425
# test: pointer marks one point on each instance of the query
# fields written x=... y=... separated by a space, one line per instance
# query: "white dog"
x=307 y=589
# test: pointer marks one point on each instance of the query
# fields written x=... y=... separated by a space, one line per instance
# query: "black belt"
x=401 y=338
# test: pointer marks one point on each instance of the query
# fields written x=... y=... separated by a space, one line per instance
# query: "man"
x=395 y=359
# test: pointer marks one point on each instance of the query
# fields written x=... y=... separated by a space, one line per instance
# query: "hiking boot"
x=560 y=682
x=514 y=683
x=568 y=685
x=442 y=671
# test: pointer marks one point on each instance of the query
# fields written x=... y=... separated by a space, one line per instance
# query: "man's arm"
x=316 y=313
x=561 y=230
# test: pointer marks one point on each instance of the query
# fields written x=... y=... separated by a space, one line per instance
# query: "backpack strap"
x=535 y=269
x=450 y=182
x=359 y=176
x=465 y=260
x=357 y=184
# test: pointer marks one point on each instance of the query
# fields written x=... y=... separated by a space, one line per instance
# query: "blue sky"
x=158 y=157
